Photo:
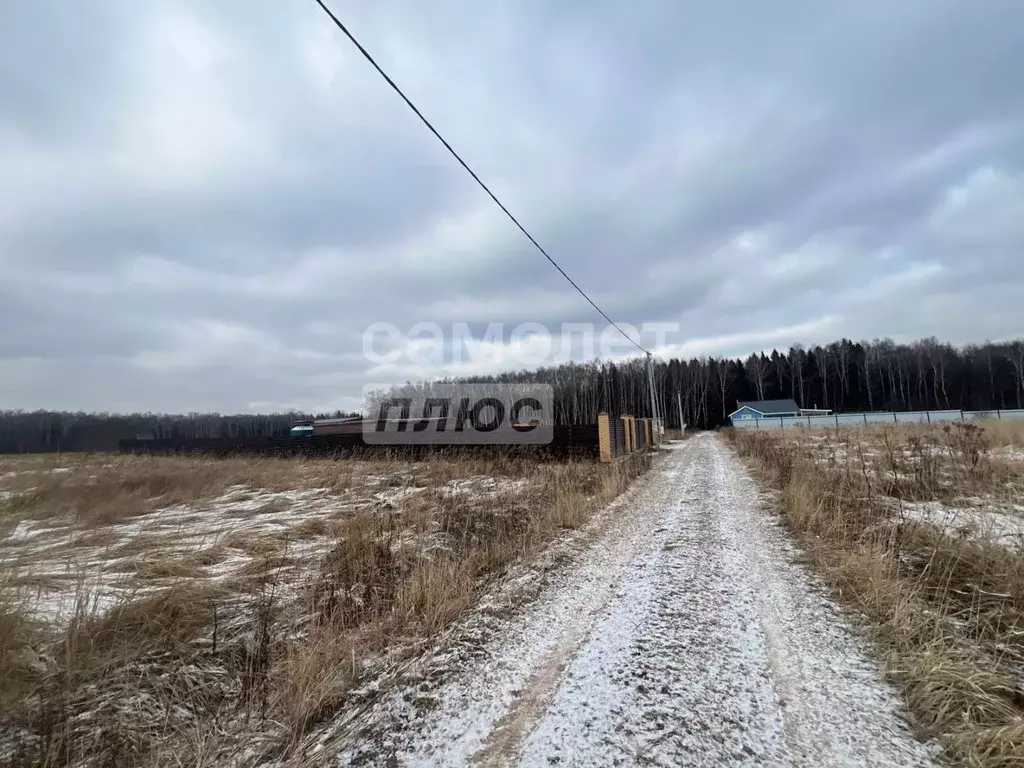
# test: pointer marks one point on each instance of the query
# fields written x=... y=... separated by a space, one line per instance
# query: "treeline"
x=844 y=376
x=53 y=431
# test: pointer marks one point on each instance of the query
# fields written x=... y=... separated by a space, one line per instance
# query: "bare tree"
x=842 y=352
x=757 y=368
x=703 y=384
x=823 y=362
x=867 y=363
x=796 y=372
x=902 y=379
x=724 y=376
x=781 y=370
x=987 y=353
x=1017 y=361
x=936 y=354
x=922 y=374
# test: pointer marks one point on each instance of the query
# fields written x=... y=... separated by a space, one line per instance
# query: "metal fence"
x=620 y=436
x=891 y=417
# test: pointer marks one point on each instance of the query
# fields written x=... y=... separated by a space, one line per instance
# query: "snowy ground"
x=52 y=566
x=676 y=629
x=938 y=477
x=1001 y=524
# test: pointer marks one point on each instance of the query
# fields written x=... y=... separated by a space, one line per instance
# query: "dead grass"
x=228 y=638
x=105 y=489
x=948 y=610
x=165 y=622
x=162 y=567
x=1005 y=433
x=19 y=640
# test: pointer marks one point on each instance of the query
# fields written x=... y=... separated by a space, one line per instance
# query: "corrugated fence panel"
x=881 y=417
x=849 y=419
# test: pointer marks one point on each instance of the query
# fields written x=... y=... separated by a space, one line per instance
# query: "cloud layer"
x=201 y=209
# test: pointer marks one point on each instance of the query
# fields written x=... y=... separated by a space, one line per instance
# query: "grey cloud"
x=208 y=218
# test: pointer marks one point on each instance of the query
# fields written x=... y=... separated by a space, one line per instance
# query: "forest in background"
x=844 y=376
x=53 y=431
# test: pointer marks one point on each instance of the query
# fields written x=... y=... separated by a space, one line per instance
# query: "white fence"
x=854 y=419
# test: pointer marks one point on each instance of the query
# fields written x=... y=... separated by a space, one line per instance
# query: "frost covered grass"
x=1008 y=434
x=919 y=529
x=186 y=611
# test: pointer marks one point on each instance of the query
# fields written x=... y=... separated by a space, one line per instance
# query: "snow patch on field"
x=1010 y=453
x=993 y=523
x=395 y=497
x=26 y=529
x=58 y=564
x=484 y=487
x=61 y=567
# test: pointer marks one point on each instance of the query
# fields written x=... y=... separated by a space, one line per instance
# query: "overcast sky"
x=203 y=210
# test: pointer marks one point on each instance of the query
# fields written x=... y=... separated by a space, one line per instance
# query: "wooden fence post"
x=604 y=438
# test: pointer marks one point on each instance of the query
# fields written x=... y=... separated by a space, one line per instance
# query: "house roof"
x=334 y=422
x=769 y=407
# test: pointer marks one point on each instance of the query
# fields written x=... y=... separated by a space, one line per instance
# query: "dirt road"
x=680 y=632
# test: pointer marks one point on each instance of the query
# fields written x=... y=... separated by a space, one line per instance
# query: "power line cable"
x=470 y=171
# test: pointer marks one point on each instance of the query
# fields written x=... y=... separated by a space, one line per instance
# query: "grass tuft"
x=947 y=607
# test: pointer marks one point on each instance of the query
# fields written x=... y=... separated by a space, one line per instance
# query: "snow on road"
x=682 y=632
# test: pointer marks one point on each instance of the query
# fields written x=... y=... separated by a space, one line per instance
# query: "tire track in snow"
x=722 y=652
x=678 y=668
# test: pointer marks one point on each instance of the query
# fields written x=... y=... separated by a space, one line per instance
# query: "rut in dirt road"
x=683 y=633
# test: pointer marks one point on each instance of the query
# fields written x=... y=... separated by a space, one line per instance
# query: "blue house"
x=760 y=409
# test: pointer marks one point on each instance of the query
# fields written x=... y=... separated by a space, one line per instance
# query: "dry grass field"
x=921 y=530
x=188 y=611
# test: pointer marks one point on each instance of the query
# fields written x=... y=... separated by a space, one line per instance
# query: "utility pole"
x=650 y=380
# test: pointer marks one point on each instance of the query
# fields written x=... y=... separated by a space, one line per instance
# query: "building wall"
x=746 y=413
